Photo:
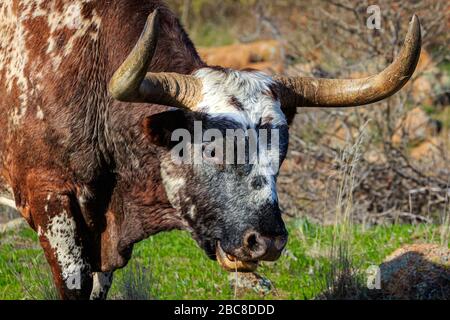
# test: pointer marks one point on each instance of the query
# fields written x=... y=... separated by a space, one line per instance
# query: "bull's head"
x=232 y=207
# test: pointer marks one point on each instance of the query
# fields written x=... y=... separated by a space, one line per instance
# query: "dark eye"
x=244 y=169
x=210 y=154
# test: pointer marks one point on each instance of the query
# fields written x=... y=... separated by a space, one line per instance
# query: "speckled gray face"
x=222 y=200
x=224 y=197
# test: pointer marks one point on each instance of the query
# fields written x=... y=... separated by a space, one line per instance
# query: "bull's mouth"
x=231 y=263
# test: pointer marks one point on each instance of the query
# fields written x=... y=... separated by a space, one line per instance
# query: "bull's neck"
x=112 y=128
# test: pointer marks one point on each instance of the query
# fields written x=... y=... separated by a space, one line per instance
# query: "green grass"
x=171 y=266
x=24 y=273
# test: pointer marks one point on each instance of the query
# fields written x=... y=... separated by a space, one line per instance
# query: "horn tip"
x=152 y=23
x=414 y=31
x=415 y=23
x=154 y=15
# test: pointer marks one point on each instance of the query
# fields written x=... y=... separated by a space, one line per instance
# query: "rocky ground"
x=418 y=271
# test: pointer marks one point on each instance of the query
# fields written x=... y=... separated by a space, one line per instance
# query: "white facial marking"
x=61 y=234
x=250 y=89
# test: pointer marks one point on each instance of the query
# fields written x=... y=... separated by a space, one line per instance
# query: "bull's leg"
x=102 y=283
x=54 y=216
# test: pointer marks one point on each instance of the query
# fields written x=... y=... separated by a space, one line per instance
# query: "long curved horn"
x=132 y=83
x=310 y=92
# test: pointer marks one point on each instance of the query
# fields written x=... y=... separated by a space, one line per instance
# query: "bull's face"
x=231 y=205
x=221 y=167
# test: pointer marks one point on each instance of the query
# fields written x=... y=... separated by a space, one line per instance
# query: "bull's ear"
x=159 y=127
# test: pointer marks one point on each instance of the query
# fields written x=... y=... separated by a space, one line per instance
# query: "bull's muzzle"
x=255 y=247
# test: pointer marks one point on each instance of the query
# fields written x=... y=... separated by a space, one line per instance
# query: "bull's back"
x=55 y=61
x=13 y=82
x=43 y=46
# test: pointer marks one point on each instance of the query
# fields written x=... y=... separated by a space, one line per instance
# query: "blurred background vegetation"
x=404 y=173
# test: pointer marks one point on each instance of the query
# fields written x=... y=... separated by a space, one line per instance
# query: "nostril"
x=251 y=241
x=257 y=246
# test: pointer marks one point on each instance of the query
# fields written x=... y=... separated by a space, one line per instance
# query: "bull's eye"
x=211 y=155
x=244 y=169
